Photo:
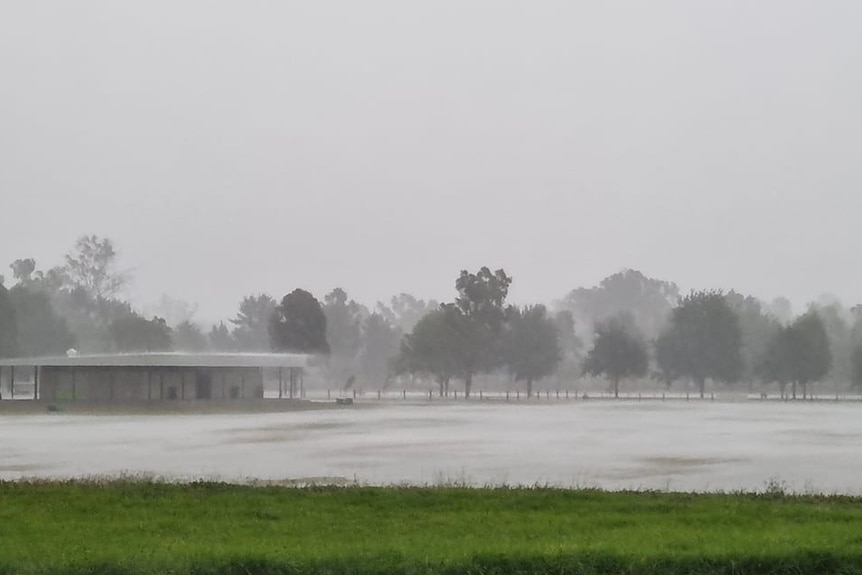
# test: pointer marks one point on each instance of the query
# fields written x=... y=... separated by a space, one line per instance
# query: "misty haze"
x=440 y=287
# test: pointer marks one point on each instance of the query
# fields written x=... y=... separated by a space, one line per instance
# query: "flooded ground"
x=614 y=445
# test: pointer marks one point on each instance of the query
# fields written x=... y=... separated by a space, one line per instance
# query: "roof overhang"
x=164 y=360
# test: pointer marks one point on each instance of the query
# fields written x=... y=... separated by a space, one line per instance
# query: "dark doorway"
x=203 y=385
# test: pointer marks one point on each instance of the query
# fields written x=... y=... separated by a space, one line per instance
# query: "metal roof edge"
x=163 y=359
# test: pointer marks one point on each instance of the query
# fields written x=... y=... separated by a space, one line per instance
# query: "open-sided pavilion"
x=130 y=377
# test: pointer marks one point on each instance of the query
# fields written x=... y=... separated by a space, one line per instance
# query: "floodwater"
x=701 y=446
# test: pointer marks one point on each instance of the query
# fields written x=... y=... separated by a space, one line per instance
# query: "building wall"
x=124 y=384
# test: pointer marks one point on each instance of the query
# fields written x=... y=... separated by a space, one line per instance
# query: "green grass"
x=143 y=527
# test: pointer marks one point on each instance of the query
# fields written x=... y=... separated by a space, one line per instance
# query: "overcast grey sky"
x=236 y=147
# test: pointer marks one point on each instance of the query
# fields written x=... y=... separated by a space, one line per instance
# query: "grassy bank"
x=130 y=527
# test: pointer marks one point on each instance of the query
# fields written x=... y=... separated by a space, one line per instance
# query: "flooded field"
x=614 y=445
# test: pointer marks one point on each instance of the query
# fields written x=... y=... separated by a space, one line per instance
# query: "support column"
x=12 y=382
x=35 y=382
x=280 y=383
x=74 y=384
x=292 y=377
x=149 y=384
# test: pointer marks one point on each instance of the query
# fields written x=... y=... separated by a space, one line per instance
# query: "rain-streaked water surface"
x=679 y=446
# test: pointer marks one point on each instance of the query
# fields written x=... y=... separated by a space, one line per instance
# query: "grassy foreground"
x=141 y=527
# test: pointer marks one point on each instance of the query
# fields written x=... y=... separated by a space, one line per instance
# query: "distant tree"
x=71 y=302
x=188 y=336
x=380 y=342
x=344 y=318
x=776 y=364
x=343 y=323
x=618 y=353
x=135 y=333
x=703 y=340
x=299 y=325
x=665 y=359
x=757 y=329
x=856 y=380
x=41 y=331
x=82 y=291
x=781 y=309
x=251 y=324
x=648 y=300
x=87 y=318
x=91 y=267
x=54 y=280
x=856 y=326
x=481 y=301
x=111 y=310
x=571 y=347
x=809 y=354
x=837 y=321
x=531 y=344
x=220 y=338
x=23 y=270
x=434 y=347
x=8 y=325
x=404 y=310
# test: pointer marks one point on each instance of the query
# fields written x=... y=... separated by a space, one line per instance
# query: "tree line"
x=628 y=328
x=80 y=305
